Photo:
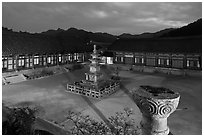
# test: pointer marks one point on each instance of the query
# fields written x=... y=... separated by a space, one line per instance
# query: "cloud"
x=111 y=17
x=121 y=4
x=96 y=14
x=158 y=21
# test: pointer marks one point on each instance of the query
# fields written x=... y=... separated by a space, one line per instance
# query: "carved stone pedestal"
x=156 y=104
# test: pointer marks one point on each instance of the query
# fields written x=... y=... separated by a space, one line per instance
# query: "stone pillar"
x=156 y=104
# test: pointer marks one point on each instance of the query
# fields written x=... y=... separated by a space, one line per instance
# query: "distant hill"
x=187 y=39
x=147 y=34
x=81 y=35
x=53 y=32
x=192 y=29
x=78 y=40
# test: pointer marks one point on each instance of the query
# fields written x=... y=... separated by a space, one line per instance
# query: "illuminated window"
x=142 y=60
x=159 y=61
x=116 y=58
x=75 y=56
x=198 y=64
x=49 y=60
x=21 y=61
x=188 y=63
x=10 y=63
x=60 y=59
x=36 y=60
x=52 y=60
x=167 y=62
x=69 y=57
x=121 y=59
x=4 y=62
x=31 y=62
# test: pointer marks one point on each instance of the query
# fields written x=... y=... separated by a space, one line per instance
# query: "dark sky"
x=114 y=18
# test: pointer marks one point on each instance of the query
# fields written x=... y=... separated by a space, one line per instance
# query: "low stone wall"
x=19 y=76
x=164 y=70
x=177 y=72
x=39 y=74
x=15 y=78
x=90 y=92
x=169 y=71
x=149 y=70
x=194 y=73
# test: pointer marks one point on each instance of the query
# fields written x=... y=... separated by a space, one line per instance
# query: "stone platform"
x=104 y=89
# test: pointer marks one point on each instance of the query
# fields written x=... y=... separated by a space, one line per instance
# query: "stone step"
x=14 y=78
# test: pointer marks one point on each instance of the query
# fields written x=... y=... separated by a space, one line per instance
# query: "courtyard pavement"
x=50 y=96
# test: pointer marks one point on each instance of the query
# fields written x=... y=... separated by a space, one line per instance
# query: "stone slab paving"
x=49 y=94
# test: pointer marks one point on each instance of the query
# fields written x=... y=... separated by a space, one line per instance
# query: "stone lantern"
x=155 y=104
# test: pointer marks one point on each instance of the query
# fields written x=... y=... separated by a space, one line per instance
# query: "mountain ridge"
x=83 y=36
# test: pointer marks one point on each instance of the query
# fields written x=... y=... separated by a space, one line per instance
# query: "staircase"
x=13 y=78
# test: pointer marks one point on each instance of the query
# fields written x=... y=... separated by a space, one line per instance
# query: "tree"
x=120 y=124
x=20 y=121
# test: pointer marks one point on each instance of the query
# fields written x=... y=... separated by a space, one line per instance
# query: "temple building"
x=21 y=51
x=97 y=84
x=171 y=53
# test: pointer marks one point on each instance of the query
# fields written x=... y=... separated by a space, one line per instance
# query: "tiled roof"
x=107 y=54
x=25 y=43
x=162 y=45
x=28 y=44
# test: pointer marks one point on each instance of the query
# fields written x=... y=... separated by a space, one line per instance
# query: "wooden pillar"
x=57 y=59
x=33 y=61
x=144 y=60
x=133 y=59
x=30 y=58
x=156 y=60
x=26 y=63
x=41 y=58
x=16 y=63
x=170 y=61
x=45 y=60
x=7 y=63
x=83 y=57
x=12 y=62
x=185 y=61
x=123 y=58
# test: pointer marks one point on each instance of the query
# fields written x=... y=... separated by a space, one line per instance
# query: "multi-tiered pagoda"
x=97 y=84
x=94 y=75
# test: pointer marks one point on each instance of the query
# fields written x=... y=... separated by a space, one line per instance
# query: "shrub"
x=77 y=66
x=19 y=121
x=120 y=124
x=37 y=74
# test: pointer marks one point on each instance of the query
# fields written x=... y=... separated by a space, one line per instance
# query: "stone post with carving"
x=155 y=104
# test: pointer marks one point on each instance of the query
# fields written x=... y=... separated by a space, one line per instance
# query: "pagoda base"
x=86 y=89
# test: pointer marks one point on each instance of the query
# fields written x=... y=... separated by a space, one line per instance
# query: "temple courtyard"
x=50 y=96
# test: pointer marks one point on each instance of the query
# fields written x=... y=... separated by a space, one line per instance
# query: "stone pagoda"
x=97 y=84
x=94 y=75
